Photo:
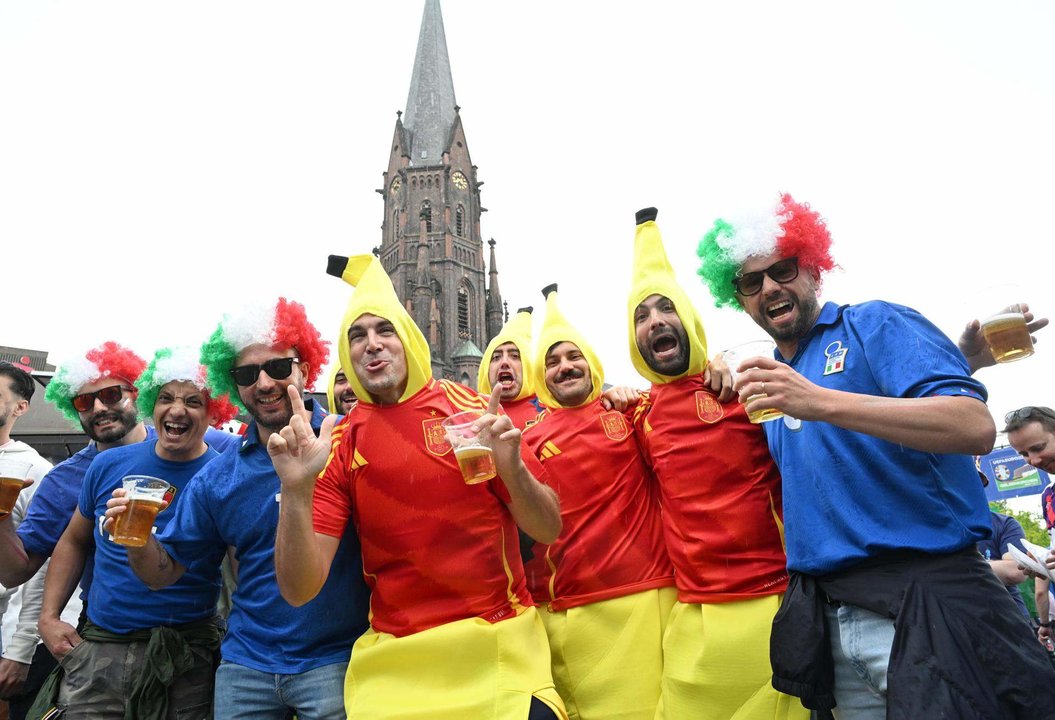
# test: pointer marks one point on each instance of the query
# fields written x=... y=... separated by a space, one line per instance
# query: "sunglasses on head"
x=1026 y=413
x=783 y=271
x=108 y=396
x=276 y=369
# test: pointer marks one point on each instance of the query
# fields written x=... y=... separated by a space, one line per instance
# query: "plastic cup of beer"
x=475 y=460
x=1007 y=336
x=735 y=356
x=13 y=476
x=145 y=495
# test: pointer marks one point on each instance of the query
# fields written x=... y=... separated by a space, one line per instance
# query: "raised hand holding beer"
x=14 y=478
x=118 y=505
x=1003 y=337
x=497 y=432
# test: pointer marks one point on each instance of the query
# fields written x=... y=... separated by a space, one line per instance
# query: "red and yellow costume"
x=720 y=494
x=607 y=582
x=524 y=408
x=453 y=629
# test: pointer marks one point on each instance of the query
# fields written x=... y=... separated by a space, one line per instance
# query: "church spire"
x=495 y=313
x=430 y=104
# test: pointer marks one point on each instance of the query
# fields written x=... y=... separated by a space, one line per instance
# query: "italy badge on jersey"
x=836 y=358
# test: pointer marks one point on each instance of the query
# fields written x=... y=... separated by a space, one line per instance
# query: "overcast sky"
x=162 y=162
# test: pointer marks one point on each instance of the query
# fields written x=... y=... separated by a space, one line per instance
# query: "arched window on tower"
x=463 y=313
x=459 y=221
x=426 y=215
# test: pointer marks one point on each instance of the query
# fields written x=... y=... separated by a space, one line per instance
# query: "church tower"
x=431 y=245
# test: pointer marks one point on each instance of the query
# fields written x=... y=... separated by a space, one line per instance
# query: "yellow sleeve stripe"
x=462 y=397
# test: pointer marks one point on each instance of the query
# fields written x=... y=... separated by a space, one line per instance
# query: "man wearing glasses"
x=277 y=660
x=97 y=392
x=889 y=602
x=720 y=495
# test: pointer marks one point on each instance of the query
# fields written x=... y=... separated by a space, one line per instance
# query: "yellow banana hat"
x=653 y=275
x=518 y=332
x=374 y=295
x=557 y=329
x=330 y=399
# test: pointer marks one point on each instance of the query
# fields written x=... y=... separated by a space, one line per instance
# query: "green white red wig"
x=284 y=324
x=109 y=360
x=789 y=228
x=172 y=364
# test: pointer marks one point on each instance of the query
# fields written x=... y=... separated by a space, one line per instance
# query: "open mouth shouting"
x=506 y=378
x=665 y=344
x=174 y=430
x=778 y=310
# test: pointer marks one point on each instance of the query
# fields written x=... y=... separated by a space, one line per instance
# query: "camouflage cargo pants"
x=99 y=677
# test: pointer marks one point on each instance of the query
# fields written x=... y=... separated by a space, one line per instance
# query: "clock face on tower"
x=459 y=180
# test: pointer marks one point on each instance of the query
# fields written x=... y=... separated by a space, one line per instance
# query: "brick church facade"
x=431 y=244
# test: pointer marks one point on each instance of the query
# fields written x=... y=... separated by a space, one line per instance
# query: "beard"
x=125 y=421
x=673 y=365
x=808 y=310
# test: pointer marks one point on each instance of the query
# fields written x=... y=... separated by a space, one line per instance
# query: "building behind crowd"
x=431 y=244
x=43 y=427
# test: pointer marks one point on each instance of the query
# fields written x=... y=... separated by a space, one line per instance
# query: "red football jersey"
x=612 y=541
x=435 y=550
x=521 y=412
x=720 y=492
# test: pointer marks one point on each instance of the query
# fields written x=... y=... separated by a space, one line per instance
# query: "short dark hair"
x=21 y=382
x=1017 y=419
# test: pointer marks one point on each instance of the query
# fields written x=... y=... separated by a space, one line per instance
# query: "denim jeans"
x=246 y=694
x=860 y=641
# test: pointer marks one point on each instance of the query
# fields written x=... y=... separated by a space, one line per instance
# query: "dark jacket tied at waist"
x=961 y=647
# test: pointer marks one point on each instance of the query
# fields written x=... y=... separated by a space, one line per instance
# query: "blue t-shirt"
x=120 y=602
x=850 y=496
x=234 y=502
x=56 y=499
x=54 y=504
x=1006 y=532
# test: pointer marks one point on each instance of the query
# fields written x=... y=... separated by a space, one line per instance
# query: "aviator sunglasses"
x=1026 y=413
x=276 y=369
x=784 y=271
x=108 y=396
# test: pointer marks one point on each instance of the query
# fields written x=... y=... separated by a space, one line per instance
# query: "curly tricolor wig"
x=109 y=360
x=283 y=324
x=170 y=364
x=790 y=228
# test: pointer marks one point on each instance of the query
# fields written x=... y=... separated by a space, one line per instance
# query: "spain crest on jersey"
x=615 y=425
x=435 y=438
x=708 y=408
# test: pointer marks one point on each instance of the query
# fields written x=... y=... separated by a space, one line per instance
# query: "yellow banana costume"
x=467 y=668
x=518 y=332
x=556 y=329
x=653 y=275
x=331 y=401
x=716 y=654
x=374 y=295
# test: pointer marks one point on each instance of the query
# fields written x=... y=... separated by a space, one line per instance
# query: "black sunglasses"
x=783 y=271
x=276 y=369
x=1026 y=413
x=108 y=395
